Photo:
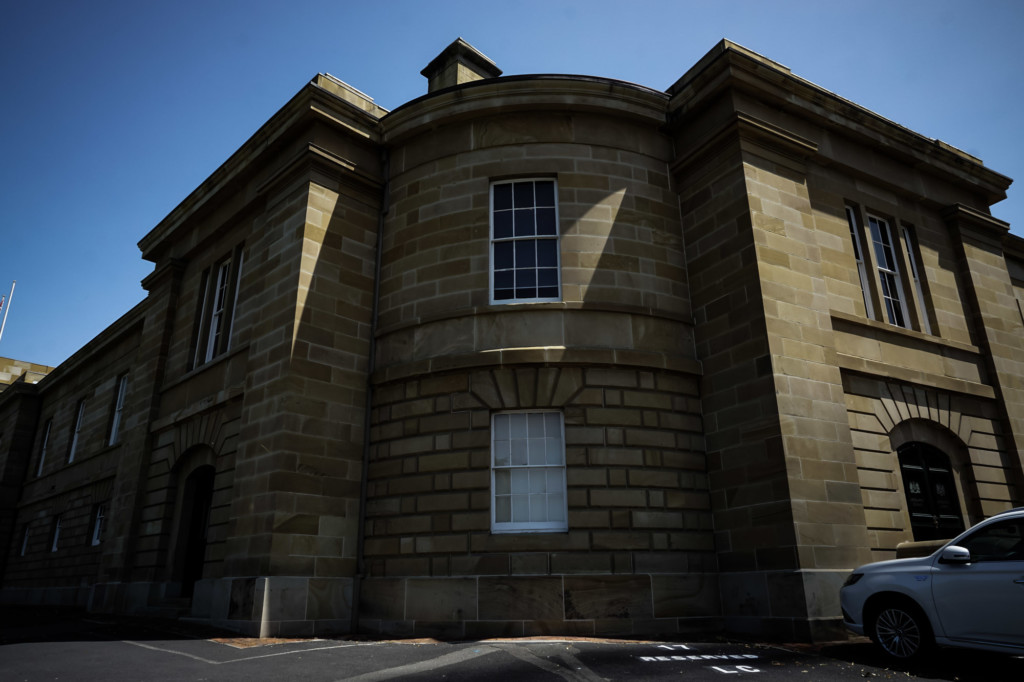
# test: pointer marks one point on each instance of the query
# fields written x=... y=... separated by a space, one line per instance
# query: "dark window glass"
x=524 y=224
x=502 y=224
x=523 y=194
x=545 y=193
x=502 y=197
x=503 y=255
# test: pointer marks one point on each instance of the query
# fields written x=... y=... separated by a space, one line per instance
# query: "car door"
x=983 y=600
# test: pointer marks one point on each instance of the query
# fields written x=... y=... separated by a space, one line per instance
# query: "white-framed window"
x=76 y=430
x=887 y=262
x=862 y=271
x=115 y=417
x=99 y=524
x=24 y=540
x=528 y=491
x=42 y=448
x=915 y=274
x=218 y=297
x=55 y=541
x=525 y=260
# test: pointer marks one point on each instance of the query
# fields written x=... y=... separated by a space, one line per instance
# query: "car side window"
x=998 y=542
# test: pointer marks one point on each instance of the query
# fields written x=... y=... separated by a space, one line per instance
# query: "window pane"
x=519 y=457
x=503 y=509
x=502 y=453
x=502 y=196
x=554 y=451
x=526 y=253
x=538 y=451
x=523 y=194
x=520 y=508
x=546 y=223
x=504 y=294
x=538 y=480
x=501 y=427
x=538 y=508
x=520 y=480
x=505 y=279
x=503 y=225
x=547 y=277
x=503 y=255
x=556 y=507
x=525 y=223
x=535 y=423
x=502 y=482
x=526 y=279
x=545 y=192
x=547 y=253
x=517 y=422
x=556 y=478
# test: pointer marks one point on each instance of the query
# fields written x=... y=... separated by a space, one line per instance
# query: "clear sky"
x=113 y=111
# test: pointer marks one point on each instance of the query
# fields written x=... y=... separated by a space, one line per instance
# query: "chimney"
x=458 y=63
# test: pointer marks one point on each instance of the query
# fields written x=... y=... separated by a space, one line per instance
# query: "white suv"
x=970 y=593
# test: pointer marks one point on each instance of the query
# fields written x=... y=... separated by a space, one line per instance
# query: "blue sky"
x=114 y=111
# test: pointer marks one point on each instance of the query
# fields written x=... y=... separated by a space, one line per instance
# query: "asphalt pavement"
x=45 y=644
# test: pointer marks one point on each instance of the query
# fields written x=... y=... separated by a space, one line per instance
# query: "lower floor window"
x=528 y=472
x=99 y=524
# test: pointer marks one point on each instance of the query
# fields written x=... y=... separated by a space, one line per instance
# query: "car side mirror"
x=955 y=555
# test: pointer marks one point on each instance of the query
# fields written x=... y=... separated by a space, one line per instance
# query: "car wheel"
x=901 y=630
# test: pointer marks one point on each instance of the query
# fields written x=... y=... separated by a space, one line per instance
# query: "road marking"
x=236 y=660
x=423 y=666
x=575 y=672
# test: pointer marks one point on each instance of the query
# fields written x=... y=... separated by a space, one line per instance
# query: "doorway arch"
x=193 y=525
x=929 y=486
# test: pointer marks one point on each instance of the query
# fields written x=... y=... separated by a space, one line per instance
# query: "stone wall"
x=639 y=553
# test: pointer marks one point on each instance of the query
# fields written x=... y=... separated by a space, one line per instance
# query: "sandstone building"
x=535 y=354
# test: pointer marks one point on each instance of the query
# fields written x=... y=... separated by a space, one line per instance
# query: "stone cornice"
x=981 y=225
x=323 y=99
x=731 y=67
x=748 y=129
x=534 y=93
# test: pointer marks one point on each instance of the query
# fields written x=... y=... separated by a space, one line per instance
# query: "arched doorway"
x=930 y=487
x=193 y=524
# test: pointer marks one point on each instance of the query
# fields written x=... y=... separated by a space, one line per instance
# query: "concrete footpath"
x=44 y=644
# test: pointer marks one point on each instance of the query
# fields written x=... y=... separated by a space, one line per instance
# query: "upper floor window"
x=524 y=242
x=42 y=448
x=886 y=250
x=528 y=472
x=915 y=274
x=218 y=293
x=115 y=417
x=76 y=430
x=862 y=271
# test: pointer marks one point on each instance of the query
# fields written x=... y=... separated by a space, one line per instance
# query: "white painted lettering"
x=724 y=670
x=747 y=669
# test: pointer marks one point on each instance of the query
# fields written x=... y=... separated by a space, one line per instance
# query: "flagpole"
x=7 y=309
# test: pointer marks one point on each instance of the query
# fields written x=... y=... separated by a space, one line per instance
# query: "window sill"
x=902 y=331
x=196 y=371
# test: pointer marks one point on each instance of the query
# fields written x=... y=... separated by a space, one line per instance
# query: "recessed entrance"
x=192 y=529
x=930 y=487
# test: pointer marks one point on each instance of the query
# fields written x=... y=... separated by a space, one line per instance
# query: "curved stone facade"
x=535 y=354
